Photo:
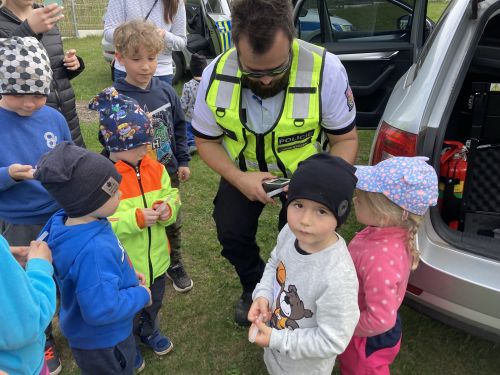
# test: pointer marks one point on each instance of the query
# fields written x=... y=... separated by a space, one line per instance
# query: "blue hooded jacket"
x=28 y=305
x=99 y=289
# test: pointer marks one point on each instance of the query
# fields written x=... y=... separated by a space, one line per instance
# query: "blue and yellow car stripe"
x=224 y=28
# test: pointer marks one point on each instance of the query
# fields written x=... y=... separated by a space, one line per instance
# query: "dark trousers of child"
x=146 y=321
x=117 y=360
x=174 y=230
x=237 y=219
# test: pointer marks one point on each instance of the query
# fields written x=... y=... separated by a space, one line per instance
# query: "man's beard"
x=266 y=91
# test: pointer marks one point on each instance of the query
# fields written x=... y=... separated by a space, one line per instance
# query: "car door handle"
x=369 y=56
x=375 y=85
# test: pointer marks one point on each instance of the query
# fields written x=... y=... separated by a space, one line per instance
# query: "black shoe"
x=241 y=309
x=52 y=358
x=180 y=279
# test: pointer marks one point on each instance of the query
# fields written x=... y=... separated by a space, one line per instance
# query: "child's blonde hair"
x=391 y=214
x=129 y=36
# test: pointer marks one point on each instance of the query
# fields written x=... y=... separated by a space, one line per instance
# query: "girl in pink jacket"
x=391 y=199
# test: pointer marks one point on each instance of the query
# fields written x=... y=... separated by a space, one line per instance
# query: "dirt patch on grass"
x=84 y=113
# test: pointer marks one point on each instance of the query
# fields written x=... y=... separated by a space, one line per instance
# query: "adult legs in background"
x=176 y=272
x=236 y=219
x=169 y=78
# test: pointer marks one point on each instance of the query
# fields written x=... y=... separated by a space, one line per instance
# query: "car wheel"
x=179 y=66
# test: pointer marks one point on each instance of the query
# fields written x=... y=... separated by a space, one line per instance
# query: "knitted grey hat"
x=24 y=67
x=81 y=181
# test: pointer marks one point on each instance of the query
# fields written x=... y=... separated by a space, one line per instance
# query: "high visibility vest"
x=294 y=136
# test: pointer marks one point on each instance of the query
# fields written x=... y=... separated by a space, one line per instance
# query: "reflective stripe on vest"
x=295 y=134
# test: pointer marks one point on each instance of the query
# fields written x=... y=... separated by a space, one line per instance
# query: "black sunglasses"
x=267 y=73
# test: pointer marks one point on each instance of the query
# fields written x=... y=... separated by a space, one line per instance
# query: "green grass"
x=206 y=341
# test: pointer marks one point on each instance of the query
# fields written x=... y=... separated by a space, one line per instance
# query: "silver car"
x=447 y=107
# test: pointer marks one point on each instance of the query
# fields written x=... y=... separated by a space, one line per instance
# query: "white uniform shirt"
x=337 y=105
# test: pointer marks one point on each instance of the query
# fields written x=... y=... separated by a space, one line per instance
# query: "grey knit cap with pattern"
x=24 y=67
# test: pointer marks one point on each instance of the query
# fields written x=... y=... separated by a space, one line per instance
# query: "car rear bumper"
x=460 y=285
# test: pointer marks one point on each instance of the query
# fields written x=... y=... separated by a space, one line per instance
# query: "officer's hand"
x=250 y=185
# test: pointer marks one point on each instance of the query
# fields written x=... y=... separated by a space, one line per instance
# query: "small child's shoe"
x=139 y=362
x=160 y=344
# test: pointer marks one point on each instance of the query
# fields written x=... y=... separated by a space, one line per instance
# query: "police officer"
x=261 y=108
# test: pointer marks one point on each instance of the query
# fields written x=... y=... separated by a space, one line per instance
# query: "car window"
x=214 y=6
x=427 y=46
x=355 y=20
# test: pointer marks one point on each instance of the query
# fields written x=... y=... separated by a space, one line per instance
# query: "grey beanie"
x=24 y=67
x=325 y=179
x=81 y=181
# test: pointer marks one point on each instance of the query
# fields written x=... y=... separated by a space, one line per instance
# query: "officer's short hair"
x=259 y=20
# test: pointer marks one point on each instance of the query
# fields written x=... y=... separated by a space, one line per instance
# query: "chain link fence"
x=82 y=17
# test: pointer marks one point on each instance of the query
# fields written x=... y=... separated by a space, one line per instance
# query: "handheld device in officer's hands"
x=276 y=186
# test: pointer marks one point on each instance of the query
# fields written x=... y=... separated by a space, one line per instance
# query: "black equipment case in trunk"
x=480 y=210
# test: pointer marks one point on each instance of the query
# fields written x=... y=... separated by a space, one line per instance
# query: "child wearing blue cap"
x=148 y=204
x=391 y=199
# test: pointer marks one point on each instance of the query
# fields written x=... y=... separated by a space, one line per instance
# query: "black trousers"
x=174 y=229
x=146 y=321
x=237 y=218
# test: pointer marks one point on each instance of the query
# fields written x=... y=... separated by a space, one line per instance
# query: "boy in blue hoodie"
x=28 y=305
x=100 y=291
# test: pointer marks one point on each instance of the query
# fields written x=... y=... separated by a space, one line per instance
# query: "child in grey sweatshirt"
x=305 y=308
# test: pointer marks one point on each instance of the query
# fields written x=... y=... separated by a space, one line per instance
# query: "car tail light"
x=393 y=142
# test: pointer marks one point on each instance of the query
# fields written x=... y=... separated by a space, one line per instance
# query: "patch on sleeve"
x=349 y=97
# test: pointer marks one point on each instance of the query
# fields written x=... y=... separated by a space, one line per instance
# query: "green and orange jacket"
x=145 y=186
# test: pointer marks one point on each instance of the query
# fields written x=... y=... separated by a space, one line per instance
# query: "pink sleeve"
x=382 y=273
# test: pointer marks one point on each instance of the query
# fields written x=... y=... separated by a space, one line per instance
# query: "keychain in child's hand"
x=164 y=210
x=254 y=330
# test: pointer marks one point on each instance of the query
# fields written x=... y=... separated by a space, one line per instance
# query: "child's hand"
x=141 y=278
x=164 y=210
x=184 y=173
x=150 y=216
x=20 y=172
x=40 y=250
x=70 y=60
x=263 y=336
x=150 y=298
x=259 y=308
x=20 y=253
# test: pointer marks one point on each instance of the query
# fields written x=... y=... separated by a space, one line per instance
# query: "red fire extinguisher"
x=452 y=172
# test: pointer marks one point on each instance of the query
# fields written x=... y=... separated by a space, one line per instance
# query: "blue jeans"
x=190 y=135
x=167 y=78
